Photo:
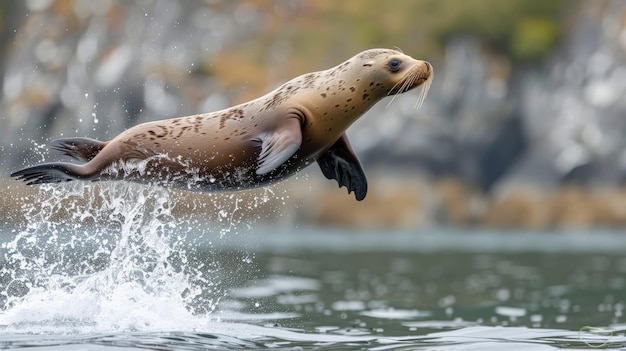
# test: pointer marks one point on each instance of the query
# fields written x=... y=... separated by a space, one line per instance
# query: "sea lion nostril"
x=428 y=65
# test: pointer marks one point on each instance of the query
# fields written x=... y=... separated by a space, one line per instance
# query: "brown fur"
x=220 y=150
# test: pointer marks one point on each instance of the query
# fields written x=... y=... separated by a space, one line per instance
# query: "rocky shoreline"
x=399 y=202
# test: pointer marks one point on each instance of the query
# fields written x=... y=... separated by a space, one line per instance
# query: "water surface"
x=144 y=279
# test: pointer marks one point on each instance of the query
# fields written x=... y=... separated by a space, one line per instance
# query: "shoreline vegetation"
x=393 y=202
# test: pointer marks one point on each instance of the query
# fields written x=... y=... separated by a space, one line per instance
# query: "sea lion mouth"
x=414 y=78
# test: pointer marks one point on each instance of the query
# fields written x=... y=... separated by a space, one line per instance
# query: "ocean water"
x=111 y=267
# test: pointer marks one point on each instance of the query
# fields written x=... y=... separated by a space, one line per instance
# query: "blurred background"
x=523 y=127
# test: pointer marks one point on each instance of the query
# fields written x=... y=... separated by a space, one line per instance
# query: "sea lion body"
x=252 y=144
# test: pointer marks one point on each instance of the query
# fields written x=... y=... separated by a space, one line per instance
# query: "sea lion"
x=253 y=144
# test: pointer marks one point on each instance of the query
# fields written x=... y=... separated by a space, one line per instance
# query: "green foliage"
x=320 y=33
x=520 y=29
x=532 y=38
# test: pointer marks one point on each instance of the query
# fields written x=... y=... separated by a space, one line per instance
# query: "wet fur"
x=223 y=150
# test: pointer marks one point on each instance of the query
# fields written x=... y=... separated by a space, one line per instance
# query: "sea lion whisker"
x=395 y=86
x=409 y=83
x=424 y=92
x=398 y=92
x=414 y=78
x=426 y=89
x=404 y=85
x=398 y=49
x=410 y=80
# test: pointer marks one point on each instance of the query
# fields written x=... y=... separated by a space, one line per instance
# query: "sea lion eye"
x=394 y=65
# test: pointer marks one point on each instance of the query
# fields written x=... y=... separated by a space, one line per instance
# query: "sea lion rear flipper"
x=279 y=146
x=83 y=149
x=55 y=172
x=342 y=164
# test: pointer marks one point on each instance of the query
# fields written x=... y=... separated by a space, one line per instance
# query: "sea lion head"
x=391 y=72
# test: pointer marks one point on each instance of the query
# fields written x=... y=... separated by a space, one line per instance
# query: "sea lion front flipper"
x=279 y=146
x=342 y=164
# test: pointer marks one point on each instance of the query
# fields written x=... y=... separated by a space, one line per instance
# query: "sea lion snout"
x=429 y=69
x=423 y=74
x=426 y=71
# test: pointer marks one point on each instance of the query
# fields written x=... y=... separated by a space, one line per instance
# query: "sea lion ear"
x=278 y=146
x=342 y=164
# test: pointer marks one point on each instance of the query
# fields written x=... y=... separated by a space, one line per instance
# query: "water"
x=113 y=267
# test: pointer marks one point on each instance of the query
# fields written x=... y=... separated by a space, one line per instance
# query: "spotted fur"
x=252 y=144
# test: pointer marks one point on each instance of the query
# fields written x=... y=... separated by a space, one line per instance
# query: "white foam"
x=101 y=259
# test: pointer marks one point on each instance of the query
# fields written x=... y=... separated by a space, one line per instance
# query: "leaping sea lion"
x=253 y=144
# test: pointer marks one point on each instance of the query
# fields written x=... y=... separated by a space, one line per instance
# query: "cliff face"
x=93 y=69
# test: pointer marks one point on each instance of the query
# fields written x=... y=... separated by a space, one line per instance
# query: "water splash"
x=111 y=256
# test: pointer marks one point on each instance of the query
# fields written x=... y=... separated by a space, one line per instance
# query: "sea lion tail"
x=55 y=172
x=83 y=149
